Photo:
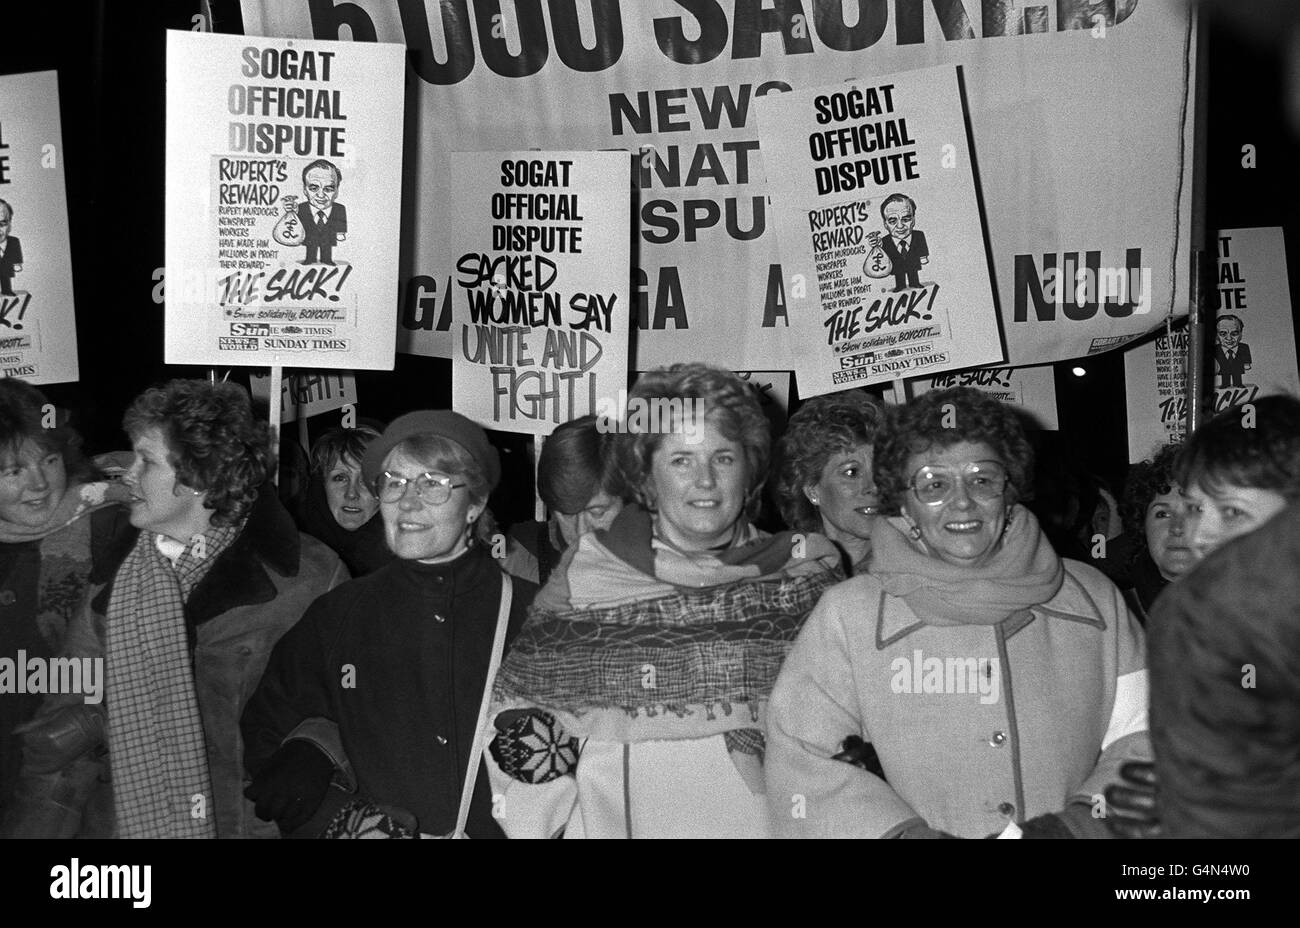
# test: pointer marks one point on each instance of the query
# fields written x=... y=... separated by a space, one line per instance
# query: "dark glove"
x=53 y=741
x=1132 y=803
x=861 y=754
x=532 y=747
x=291 y=785
x=1074 y=821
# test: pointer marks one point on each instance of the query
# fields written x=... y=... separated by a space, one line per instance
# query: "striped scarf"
x=680 y=660
x=161 y=787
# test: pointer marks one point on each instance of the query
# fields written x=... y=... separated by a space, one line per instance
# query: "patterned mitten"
x=362 y=818
x=533 y=748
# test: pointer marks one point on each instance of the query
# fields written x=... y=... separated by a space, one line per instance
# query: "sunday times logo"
x=103 y=881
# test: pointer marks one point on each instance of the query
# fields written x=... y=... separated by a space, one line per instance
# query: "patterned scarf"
x=65 y=554
x=680 y=661
x=161 y=787
x=1024 y=571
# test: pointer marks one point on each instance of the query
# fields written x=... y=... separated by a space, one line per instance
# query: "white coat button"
x=441 y=740
x=1006 y=808
x=999 y=738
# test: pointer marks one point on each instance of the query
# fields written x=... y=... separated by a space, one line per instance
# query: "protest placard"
x=38 y=328
x=284 y=173
x=1033 y=389
x=1254 y=344
x=1081 y=114
x=879 y=230
x=307 y=393
x=541 y=287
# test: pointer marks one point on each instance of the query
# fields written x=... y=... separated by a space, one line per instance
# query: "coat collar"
x=239 y=577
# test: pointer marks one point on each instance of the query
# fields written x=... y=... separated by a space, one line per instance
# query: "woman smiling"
x=184 y=627
x=56 y=527
x=1040 y=686
x=421 y=638
x=632 y=703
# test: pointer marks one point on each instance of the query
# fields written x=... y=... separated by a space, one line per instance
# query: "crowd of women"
x=910 y=657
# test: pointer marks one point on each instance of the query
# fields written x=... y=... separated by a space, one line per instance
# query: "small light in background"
x=1078 y=371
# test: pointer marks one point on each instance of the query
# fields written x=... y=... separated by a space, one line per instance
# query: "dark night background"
x=110 y=59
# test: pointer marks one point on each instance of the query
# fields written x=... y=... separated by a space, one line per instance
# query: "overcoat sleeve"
x=813 y=709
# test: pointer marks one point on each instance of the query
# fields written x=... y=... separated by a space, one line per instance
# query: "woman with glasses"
x=1000 y=685
x=825 y=481
x=381 y=688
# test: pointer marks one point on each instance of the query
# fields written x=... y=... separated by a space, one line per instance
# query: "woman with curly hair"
x=825 y=481
x=1000 y=685
x=1224 y=643
x=1154 y=510
x=58 y=526
x=632 y=703
x=184 y=628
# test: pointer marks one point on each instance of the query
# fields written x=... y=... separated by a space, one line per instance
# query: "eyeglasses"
x=431 y=488
x=984 y=480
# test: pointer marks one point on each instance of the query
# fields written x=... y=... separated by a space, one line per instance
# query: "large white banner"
x=1079 y=112
x=879 y=229
x=38 y=328
x=1254 y=344
x=541 y=305
x=284 y=178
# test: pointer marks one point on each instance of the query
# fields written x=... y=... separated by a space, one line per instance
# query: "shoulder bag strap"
x=476 y=752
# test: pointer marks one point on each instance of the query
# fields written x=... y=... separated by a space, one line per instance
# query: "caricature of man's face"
x=1228 y=332
x=899 y=219
x=6 y=220
x=321 y=188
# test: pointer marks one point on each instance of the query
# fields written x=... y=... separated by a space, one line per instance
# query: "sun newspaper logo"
x=103 y=881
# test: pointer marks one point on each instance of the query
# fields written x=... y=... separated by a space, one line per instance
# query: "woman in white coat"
x=631 y=705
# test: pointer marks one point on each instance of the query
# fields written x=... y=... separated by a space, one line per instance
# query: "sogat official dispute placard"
x=38 y=329
x=880 y=234
x=540 y=300
x=284 y=172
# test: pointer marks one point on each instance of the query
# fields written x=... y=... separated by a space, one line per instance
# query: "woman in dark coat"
x=182 y=628
x=381 y=687
x=56 y=527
